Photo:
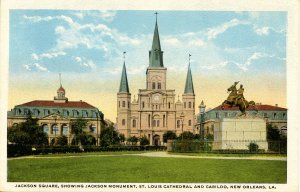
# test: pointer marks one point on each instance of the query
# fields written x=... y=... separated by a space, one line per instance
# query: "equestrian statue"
x=236 y=99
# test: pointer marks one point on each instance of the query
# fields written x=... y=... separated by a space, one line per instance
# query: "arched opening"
x=156 y=140
x=65 y=130
x=45 y=128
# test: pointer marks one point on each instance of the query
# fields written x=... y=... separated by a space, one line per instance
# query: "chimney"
x=276 y=105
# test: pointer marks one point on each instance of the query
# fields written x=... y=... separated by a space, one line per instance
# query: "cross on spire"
x=156 y=16
x=190 y=59
x=124 y=55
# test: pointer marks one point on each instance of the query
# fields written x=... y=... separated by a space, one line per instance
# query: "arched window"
x=93 y=128
x=45 y=129
x=65 y=130
x=84 y=113
x=54 y=129
x=190 y=104
x=274 y=115
x=190 y=122
x=123 y=103
x=157 y=123
x=169 y=105
x=134 y=123
x=123 y=122
x=178 y=124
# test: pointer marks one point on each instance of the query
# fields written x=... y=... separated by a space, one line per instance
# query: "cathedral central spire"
x=156 y=55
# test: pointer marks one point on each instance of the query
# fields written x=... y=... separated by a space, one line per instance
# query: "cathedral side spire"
x=124 y=82
x=156 y=55
x=189 y=87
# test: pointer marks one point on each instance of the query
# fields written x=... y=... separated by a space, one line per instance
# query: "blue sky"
x=89 y=45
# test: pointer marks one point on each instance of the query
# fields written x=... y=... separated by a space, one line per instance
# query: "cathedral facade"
x=155 y=111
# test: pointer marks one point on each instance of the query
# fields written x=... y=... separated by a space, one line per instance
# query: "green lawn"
x=145 y=169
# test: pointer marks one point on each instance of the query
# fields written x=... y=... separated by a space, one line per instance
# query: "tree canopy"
x=27 y=133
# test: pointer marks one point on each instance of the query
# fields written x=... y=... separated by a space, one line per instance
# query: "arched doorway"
x=156 y=140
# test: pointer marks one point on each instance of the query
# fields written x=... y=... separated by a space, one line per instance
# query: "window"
x=226 y=114
x=283 y=115
x=94 y=114
x=178 y=124
x=54 y=129
x=157 y=123
x=123 y=103
x=217 y=115
x=46 y=111
x=75 y=113
x=46 y=129
x=153 y=85
x=169 y=105
x=134 y=123
x=123 y=122
x=156 y=54
x=128 y=104
x=119 y=104
x=84 y=113
x=65 y=112
x=93 y=129
x=65 y=130
x=18 y=111
x=190 y=104
x=164 y=120
x=153 y=123
x=184 y=104
x=158 y=85
x=143 y=104
x=149 y=119
x=193 y=105
x=190 y=122
x=274 y=115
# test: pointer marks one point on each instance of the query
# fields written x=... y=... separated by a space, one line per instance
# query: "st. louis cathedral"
x=156 y=110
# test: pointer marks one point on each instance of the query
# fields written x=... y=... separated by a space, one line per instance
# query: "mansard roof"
x=49 y=103
x=259 y=108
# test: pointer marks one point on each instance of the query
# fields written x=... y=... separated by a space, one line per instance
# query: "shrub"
x=253 y=147
x=144 y=141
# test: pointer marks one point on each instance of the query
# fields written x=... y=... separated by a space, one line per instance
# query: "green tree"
x=144 y=141
x=109 y=136
x=273 y=132
x=133 y=140
x=169 y=135
x=77 y=129
x=62 y=140
x=187 y=135
x=27 y=133
x=122 y=137
x=209 y=137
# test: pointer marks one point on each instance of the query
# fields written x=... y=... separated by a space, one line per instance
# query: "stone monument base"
x=238 y=133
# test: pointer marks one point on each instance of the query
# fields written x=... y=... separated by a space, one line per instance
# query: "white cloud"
x=216 y=66
x=107 y=15
x=49 y=55
x=85 y=63
x=212 y=33
x=262 y=31
x=172 y=41
x=36 y=66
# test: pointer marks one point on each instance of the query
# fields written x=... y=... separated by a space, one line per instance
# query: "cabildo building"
x=156 y=110
x=55 y=115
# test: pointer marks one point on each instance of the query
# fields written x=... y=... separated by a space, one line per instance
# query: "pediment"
x=55 y=116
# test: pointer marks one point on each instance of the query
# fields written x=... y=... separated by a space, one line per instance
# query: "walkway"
x=160 y=154
x=166 y=154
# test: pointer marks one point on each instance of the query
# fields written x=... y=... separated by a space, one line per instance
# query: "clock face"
x=156 y=98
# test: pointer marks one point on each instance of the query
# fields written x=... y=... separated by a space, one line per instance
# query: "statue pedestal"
x=238 y=133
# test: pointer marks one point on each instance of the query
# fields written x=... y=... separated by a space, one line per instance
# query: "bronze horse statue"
x=242 y=103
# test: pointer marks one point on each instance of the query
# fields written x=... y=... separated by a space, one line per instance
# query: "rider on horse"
x=240 y=94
